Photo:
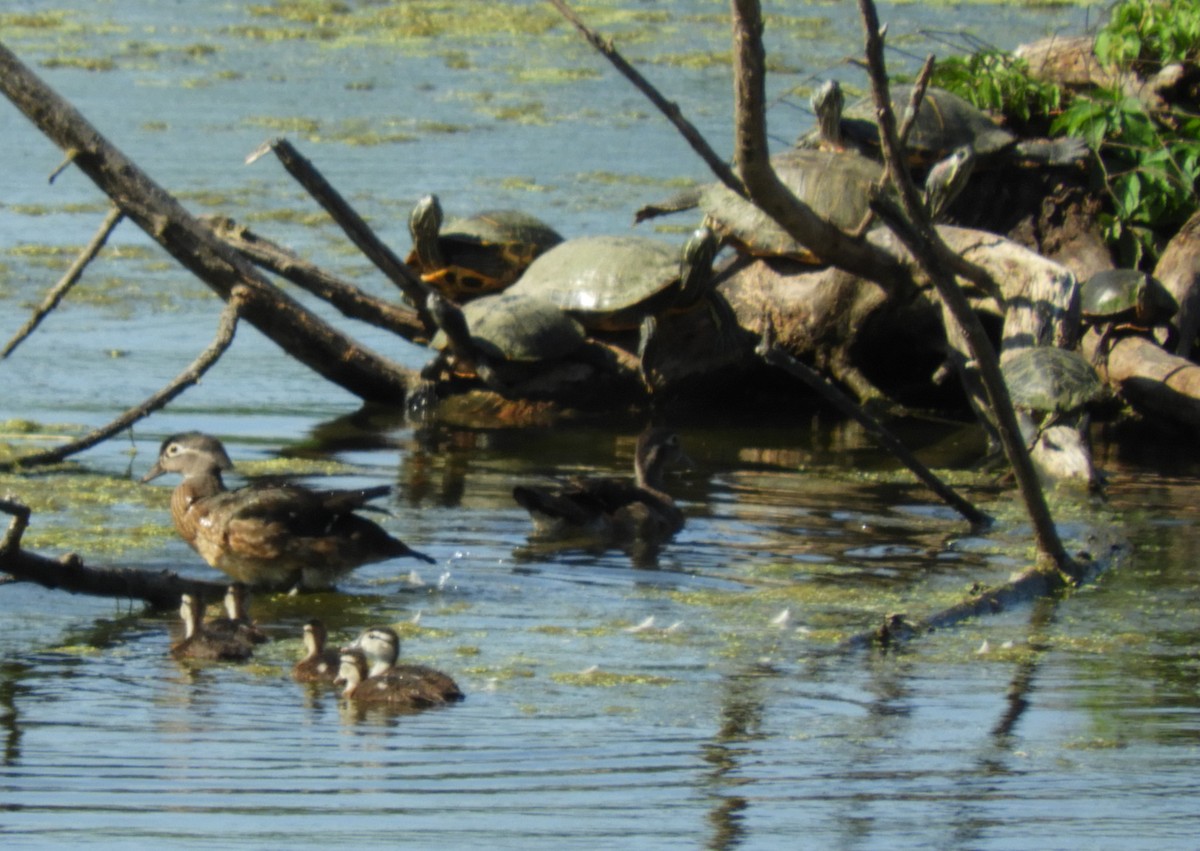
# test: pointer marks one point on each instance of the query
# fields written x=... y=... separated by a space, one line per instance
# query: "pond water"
x=693 y=700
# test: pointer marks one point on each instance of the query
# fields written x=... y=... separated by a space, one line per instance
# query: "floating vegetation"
x=610 y=679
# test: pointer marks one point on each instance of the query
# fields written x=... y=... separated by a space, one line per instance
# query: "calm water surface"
x=688 y=701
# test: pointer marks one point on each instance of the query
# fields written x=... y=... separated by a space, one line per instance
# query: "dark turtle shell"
x=1126 y=295
x=469 y=257
x=515 y=328
x=835 y=185
x=613 y=282
x=944 y=122
x=1047 y=379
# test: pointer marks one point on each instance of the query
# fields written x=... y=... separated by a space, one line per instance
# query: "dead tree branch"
x=225 y=330
x=69 y=573
x=352 y=302
x=359 y=232
x=300 y=333
x=68 y=280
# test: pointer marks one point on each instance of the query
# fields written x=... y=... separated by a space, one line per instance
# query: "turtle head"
x=827 y=102
x=695 y=266
x=424 y=222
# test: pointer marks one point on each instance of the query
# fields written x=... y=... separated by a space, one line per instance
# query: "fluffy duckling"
x=199 y=643
x=237 y=623
x=320 y=663
x=613 y=509
x=380 y=646
x=279 y=536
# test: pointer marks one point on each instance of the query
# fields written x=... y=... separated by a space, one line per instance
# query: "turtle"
x=835 y=185
x=944 y=123
x=503 y=338
x=1053 y=390
x=612 y=283
x=1115 y=301
x=463 y=259
x=947 y=179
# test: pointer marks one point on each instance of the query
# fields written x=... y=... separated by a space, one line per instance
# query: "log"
x=300 y=333
x=1152 y=380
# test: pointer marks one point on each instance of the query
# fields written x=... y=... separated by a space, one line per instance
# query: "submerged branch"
x=161 y=590
x=225 y=331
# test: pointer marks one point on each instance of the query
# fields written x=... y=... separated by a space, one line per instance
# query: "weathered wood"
x=352 y=302
x=300 y=333
x=1152 y=380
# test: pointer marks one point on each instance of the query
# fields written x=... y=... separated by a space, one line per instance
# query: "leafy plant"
x=1144 y=35
x=1000 y=83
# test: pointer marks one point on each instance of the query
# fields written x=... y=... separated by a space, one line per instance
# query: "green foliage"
x=999 y=83
x=1144 y=35
x=1149 y=164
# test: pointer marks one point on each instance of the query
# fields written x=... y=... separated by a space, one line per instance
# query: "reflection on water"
x=686 y=698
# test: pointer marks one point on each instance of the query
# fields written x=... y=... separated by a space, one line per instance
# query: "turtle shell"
x=480 y=254
x=519 y=329
x=944 y=122
x=1126 y=295
x=607 y=282
x=1047 y=379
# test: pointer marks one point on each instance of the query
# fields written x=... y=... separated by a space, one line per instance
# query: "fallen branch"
x=359 y=232
x=68 y=280
x=775 y=356
x=352 y=302
x=283 y=320
x=225 y=331
x=161 y=590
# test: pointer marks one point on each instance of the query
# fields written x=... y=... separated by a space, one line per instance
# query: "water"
x=664 y=704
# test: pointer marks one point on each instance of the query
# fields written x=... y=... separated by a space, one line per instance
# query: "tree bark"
x=300 y=333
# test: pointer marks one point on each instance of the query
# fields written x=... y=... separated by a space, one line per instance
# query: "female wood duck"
x=613 y=509
x=380 y=646
x=236 y=622
x=200 y=643
x=320 y=663
x=277 y=536
x=396 y=688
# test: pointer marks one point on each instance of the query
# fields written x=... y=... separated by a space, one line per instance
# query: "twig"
x=775 y=356
x=668 y=108
x=354 y=226
x=191 y=375
x=68 y=280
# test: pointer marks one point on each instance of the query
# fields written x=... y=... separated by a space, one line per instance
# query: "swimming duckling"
x=199 y=643
x=320 y=663
x=380 y=646
x=280 y=536
x=612 y=509
x=236 y=623
x=394 y=690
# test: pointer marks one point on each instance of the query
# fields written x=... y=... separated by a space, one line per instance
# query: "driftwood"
x=302 y=334
x=68 y=280
x=191 y=375
x=1151 y=379
x=69 y=573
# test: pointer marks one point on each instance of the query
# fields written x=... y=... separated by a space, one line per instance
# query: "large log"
x=300 y=333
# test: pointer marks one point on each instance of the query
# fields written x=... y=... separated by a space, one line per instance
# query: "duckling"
x=199 y=643
x=380 y=646
x=394 y=689
x=320 y=663
x=276 y=536
x=612 y=509
x=237 y=623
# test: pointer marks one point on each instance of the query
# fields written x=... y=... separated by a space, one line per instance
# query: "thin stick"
x=56 y=293
x=225 y=330
x=668 y=108
x=775 y=356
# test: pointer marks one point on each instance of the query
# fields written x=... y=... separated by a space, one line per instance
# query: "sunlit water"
x=690 y=700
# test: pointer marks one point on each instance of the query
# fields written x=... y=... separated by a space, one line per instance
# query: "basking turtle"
x=463 y=259
x=1052 y=391
x=611 y=283
x=1124 y=301
x=834 y=185
x=944 y=123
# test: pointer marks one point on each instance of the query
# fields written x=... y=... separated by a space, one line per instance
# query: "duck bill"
x=154 y=473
